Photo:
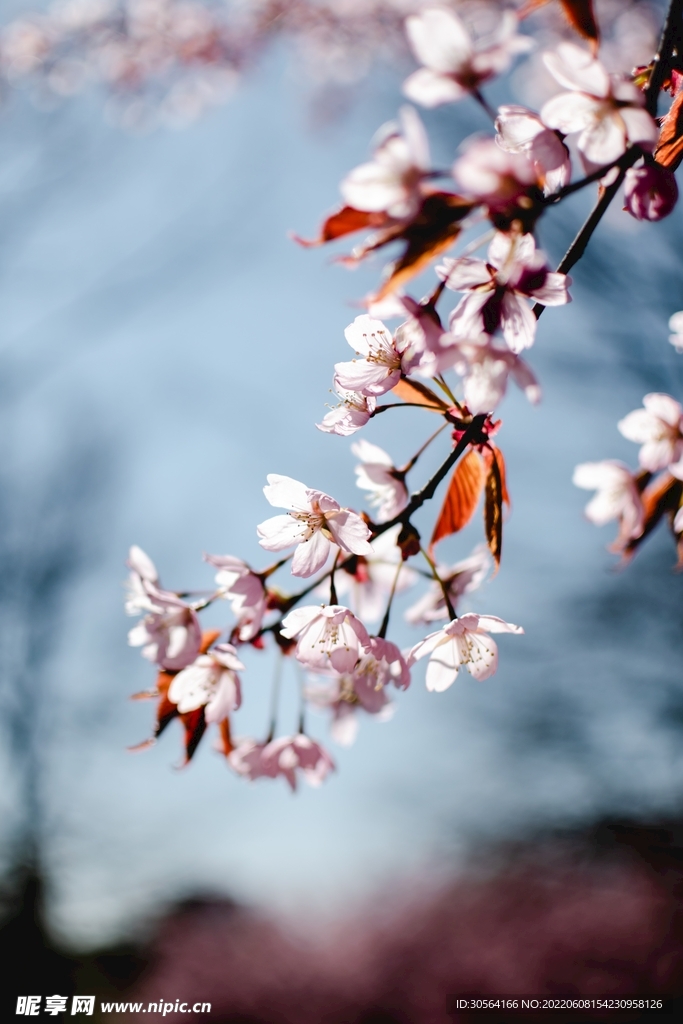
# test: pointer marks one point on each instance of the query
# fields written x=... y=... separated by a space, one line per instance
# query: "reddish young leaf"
x=417 y=393
x=433 y=230
x=660 y=497
x=227 y=746
x=461 y=498
x=493 y=506
x=488 y=454
x=194 y=723
x=669 y=151
x=579 y=13
x=344 y=221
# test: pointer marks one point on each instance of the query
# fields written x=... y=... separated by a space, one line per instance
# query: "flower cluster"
x=452 y=363
x=640 y=500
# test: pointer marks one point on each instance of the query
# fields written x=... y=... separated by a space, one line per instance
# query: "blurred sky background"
x=164 y=346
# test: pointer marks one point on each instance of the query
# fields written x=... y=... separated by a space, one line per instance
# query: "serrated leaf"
x=488 y=454
x=669 y=149
x=493 y=506
x=419 y=394
x=461 y=498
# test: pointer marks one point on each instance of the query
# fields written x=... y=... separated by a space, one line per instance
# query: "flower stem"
x=385 y=621
x=444 y=588
x=275 y=696
x=418 y=453
x=418 y=499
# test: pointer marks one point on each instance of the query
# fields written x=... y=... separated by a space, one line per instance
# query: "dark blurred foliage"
x=597 y=912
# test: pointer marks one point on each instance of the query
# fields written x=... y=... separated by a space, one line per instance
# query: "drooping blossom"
x=247 y=759
x=498 y=290
x=485 y=365
x=381 y=664
x=382 y=362
x=391 y=182
x=327 y=635
x=170 y=635
x=617 y=496
x=459 y=579
x=284 y=756
x=522 y=131
x=244 y=589
x=488 y=174
x=454 y=63
x=365 y=582
x=657 y=427
x=352 y=413
x=364 y=687
x=315 y=520
x=210 y=682
x=676 y=326
x=650 y=192
x=378 y=475
x=344 y=694
x=608 y=111
x=465 y=641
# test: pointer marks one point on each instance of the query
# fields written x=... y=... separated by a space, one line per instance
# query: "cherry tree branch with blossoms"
x=455 y=366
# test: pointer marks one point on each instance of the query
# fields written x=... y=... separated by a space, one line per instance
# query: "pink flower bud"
x=650 y=192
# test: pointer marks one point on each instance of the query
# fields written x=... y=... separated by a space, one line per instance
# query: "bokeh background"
x=164 y=346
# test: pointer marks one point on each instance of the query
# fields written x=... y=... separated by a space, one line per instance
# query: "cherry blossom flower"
x=378 y=475
x=142 y=573
x=365 y=582
x=453 y=63
x=383 y=359
x=617 y=496
x=498 y=290
x=245 y=591
x=461 y=578
x=485 y=366
x=676 y=325
x=170 y=634
x=608 y=111
x=381 y=663
x=657 y=427
x=315 y=521
x=352 y=413
x=490 y=175
x=391 y=182
x=247 y=758
x=522 y=131
x=650 y=192
x=328 y=635
x=344 y=694
x=210 y=682
x=465 y=641
x=284 y=756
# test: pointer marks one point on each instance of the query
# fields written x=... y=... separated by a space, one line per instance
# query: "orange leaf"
x=226 y=739
x=489 y=455
x=461 y=498
x=344 y=221
x=208 y=637
x=669 y=151
x=659 y=497
x=419 y=394
x=433 y=230
x=579 y=13
x=195 y=725
x=493 y=506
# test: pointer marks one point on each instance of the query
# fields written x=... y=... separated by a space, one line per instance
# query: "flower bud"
x=650 y=192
